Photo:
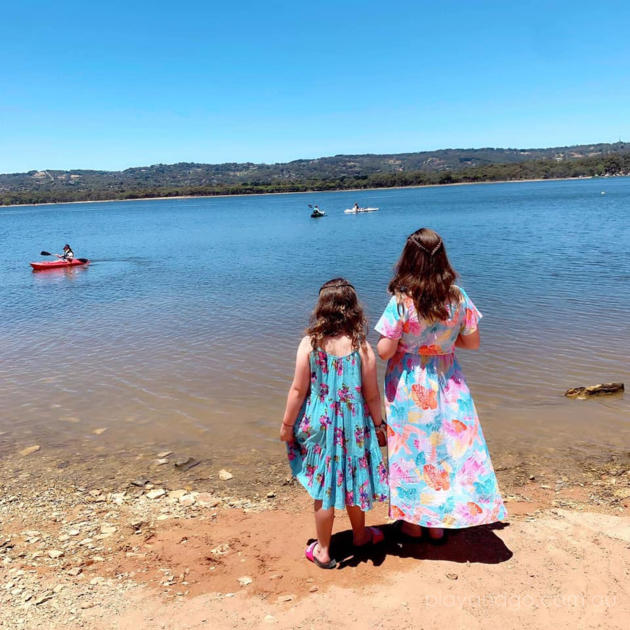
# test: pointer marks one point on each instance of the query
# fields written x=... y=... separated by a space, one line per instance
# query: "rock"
x=140 y=482
x=73 y=532
x=313 y=589
x=55 y=553
x=205 y=499
x=225 y=475
x=285 y=598
x=75 y=571
x=108 y=529
x=44 y=598
x=245 y=580
x=452 y=576
x=185 y=463
x=164 y=454
x=270 y=619
x=158 y=493
x=603 y=389
x=177 y=494
x=29 y=450
x=271 y=495
x=160 y=462
x=99 y=431
x=97 y=580
x=187 y=500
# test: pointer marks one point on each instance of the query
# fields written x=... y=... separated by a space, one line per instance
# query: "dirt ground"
x=179 y=558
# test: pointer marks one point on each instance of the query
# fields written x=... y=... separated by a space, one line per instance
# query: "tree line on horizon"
x=605 y=164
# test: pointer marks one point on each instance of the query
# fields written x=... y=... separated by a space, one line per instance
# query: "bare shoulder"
x=366 y=352
x=305 y=345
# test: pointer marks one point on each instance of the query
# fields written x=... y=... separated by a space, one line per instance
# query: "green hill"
x=326 y=173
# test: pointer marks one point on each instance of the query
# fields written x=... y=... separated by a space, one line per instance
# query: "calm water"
x=184 y=327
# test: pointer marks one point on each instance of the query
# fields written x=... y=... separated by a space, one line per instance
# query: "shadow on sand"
x=474 y=544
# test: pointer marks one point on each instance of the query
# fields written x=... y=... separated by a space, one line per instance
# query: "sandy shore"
x=302 y=192
x=196 y=551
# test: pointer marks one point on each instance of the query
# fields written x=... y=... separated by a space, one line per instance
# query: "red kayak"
x=57 y=264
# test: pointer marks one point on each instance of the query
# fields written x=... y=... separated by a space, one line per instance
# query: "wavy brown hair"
x=337 y=312
x=424 y=273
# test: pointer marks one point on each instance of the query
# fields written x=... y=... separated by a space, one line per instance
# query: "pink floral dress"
x=440 y=473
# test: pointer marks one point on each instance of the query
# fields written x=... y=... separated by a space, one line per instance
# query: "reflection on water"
x=184 y=326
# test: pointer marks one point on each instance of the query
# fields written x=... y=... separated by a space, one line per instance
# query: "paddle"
x=43 y=253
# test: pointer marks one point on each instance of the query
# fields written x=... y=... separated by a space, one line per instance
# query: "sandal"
x=309 y=552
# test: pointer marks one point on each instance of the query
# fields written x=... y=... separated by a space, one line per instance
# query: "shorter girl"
x=330 y=417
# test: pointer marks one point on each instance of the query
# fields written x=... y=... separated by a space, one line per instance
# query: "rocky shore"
x=162 y=540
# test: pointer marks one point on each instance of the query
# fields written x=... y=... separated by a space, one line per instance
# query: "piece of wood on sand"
x=603 y=389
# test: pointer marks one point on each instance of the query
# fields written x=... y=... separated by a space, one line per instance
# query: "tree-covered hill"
x=327 y=173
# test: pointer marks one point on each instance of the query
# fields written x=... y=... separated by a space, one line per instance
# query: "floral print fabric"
x=440 y=473
x=335 y=453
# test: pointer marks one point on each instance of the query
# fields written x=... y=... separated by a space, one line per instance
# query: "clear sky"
x=109 y=85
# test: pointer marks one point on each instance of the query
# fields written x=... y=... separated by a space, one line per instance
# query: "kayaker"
x=67 y=255
x=355 y=207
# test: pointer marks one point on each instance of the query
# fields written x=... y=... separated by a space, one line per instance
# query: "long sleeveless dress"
x=440 y=473
x=335 y=453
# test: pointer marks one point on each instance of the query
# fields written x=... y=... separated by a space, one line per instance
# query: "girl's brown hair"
x=424 y=273
x=337 y=312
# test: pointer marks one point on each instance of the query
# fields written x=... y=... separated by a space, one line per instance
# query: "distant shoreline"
x=309 y=192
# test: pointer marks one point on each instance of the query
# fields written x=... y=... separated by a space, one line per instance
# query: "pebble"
x=205 y=499
x=73 y=532
x=285 y=598
x=187 y=500
x=452 y=576
x=270 y=619
x=177 y=494
x=245 y=580
x=164 y=454
x=313 y=589
x=225 y=475
x=75 y=571
x=158 y=493
x=44 y=598
x=99 y=431
x=185 y=463
x=108 y=529
x=55 y=553
x=29 y=450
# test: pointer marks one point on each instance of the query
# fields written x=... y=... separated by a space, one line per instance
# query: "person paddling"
x=68 y=254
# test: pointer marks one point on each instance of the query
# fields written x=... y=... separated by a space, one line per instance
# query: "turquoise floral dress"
x=335 y=453
x=440 y=473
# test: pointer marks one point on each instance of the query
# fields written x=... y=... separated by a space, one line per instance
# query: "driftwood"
x=604 y=389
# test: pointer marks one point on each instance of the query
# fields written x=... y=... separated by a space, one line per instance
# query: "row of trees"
x=612 y=164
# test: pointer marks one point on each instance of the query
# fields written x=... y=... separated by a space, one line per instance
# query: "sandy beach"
x=198 y=550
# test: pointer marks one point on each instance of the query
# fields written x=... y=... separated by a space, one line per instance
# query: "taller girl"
x=440 y=473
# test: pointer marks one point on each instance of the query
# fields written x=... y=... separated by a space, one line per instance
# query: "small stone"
x=177 y=494
x=532 y=477
x=108 y=529
x=205 y=499
x=44 y=598
x=187 y=500
x=55 y=553
x=285 y=598
x=86 y=605
x=245 y=580
x=313 y=589
x=225 y=475
x=97 y=580
x=29 y=450
x=158 y=493
x=164 y=454
x=161 y=461
x=73 y=532
x=271 y=495
x=185 y=463
x=452 y=576
x=75 y=571
x=270 y=619
x=278 y=576
x=99 y=431
x=140 y=482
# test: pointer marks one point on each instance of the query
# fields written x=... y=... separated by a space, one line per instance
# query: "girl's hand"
x=381 y=434
x=286 y=433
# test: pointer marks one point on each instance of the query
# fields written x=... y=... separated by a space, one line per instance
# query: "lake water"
x=183 y=329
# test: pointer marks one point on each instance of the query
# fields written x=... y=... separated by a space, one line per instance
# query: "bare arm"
x=298 y=390
x=469 y=342
x=369 y=387
x=386 y=347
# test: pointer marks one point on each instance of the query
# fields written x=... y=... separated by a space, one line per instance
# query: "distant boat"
x=316 y=212
x=602 y=193
x=359 y=210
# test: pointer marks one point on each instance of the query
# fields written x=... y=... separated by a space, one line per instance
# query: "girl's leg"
x=360 y=535
x=323 y=525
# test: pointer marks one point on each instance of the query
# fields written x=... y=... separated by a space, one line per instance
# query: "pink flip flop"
x=309 y=552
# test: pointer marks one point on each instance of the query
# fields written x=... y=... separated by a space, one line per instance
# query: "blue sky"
x=119 y=84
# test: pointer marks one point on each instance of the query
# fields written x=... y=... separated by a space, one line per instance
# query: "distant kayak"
x=359 y=210
x=57 y=264
x=317 y=213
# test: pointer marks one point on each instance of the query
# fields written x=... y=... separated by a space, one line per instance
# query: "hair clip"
x=337 y=286
x=423 y=248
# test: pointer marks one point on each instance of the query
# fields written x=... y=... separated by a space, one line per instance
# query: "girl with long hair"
x=440 y=473
x=332 y=418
